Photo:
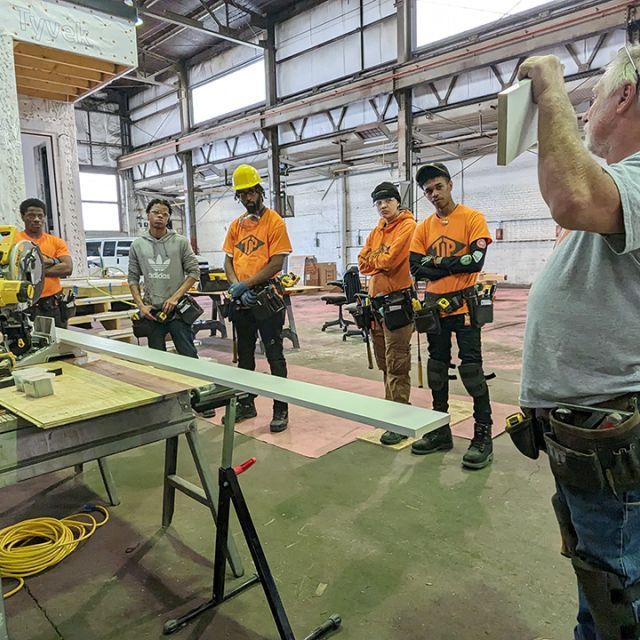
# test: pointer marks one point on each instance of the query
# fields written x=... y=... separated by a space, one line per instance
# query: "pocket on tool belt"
x=625 y=468
x=427 y=320
x=573 y=468
x=527 y=437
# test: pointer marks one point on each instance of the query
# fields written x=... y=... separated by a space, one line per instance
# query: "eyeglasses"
x=633 y=64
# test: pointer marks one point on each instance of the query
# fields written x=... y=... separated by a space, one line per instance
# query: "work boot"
x=280 y=417
x=390 y=437
x=480 y=451
x=438 y=440
x=245 y=410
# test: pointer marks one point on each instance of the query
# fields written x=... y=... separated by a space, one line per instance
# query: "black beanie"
x=386 y=190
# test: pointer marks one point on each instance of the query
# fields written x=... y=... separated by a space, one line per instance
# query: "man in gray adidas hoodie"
x=169 y=268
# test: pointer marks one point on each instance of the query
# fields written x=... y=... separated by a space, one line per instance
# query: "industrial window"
x=238 y=89
x=440 y=19
x=100 y=203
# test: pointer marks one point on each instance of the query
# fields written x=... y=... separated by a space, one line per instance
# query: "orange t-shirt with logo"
x=50 y=247
x=448 y=237
x=252 y=242
x=385 y=255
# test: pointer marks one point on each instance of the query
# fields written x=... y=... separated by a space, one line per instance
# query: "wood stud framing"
x=43 y=72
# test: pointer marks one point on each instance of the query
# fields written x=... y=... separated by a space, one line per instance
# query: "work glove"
x=248 y=298
x=237 y=289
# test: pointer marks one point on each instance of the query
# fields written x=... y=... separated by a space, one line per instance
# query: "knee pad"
x=472 y=377
x=437 y=374
x=610 y=603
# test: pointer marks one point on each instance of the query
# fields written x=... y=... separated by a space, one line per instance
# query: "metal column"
x=404 y=98
x=271 y=133
x=187 y=159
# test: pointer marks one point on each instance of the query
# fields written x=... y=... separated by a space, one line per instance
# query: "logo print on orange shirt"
x=249 y=245
x=444 y=247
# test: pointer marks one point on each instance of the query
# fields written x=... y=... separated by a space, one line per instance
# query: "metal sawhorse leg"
x=208 y=494
x=229 y=492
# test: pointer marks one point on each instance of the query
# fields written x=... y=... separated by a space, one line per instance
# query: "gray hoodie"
x=163 y=264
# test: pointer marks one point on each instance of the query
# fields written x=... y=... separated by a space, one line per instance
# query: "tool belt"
x=187 y=310
x=449 y=302
x=395 y=308
x=65 y=303
x=480 y=306
x=593 y=459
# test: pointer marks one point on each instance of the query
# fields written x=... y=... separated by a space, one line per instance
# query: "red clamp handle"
x=243 y=466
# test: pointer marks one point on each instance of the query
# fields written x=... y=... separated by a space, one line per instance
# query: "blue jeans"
x=607 y=530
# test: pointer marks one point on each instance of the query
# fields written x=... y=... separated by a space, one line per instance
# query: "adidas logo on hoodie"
x=158 y=268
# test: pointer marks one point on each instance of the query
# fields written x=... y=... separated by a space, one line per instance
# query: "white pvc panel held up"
x=72 y=28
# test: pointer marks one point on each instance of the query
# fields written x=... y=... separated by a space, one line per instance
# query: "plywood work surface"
x=150 y=378
x=79 y=394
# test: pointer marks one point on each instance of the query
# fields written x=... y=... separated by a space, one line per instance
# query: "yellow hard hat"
x=244 y=177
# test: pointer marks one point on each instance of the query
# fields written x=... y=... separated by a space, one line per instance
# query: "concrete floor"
x=400 y=546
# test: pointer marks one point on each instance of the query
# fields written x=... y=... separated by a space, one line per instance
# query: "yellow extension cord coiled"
x=31 y=546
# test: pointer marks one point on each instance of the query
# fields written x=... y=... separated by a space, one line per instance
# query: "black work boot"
x=480 y=451
x=280 y=417
x=245 y=410
x=390 y=437
x=438 y=440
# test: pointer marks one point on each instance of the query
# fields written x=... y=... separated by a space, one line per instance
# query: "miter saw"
x=22 y=340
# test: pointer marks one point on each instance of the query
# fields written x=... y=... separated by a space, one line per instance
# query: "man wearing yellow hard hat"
x=256 y=246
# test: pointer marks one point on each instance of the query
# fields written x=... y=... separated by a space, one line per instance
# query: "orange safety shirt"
x=385 y=255
x=50 y=247
x=448 y=237
x=251 y=242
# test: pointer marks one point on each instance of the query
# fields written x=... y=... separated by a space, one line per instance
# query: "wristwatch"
x=55 y=261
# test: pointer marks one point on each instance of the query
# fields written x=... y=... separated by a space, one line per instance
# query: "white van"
x=112 y=255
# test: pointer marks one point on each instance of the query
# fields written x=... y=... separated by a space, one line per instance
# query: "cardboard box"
x=306 y=267
x=327 y=272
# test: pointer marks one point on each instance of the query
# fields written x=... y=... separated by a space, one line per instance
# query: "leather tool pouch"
x=593 y=460
x=188 y=310
x=269 y=303
x=528 y=436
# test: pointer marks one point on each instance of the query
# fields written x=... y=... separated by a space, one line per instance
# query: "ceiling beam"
x=196 y=25
x=542 y=32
